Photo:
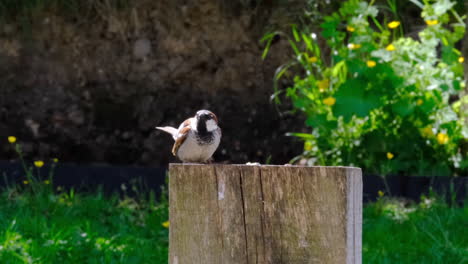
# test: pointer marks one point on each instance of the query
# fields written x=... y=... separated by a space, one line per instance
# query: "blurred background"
x=87 y=81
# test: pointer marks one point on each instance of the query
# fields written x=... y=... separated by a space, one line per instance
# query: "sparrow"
x=197 y=138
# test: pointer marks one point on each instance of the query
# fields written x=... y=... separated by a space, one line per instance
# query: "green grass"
x=38 y=226
x=80 y=228
x=428 y=232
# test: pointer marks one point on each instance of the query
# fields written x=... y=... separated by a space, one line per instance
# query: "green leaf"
x=449 y=55
x=268 y=38
x=457 y=106
x=366 y=10
x=356 y=66
x=320 y=121
x=308 y=42
x=340 y=70
x=353 y=99
x=301 y=135
x=403 y=107
x=294 y=47
x=442 y=6
x=295 y=34
x=330 y=27
x=446 y=115
x=444 y=87
x=456 y=85
x=429 y=103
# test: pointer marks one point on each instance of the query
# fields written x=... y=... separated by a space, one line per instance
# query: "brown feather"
x=182 y=136
x=215 y=118
x=186 y=123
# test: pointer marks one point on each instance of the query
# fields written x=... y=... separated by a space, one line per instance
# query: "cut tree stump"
x=239 y=214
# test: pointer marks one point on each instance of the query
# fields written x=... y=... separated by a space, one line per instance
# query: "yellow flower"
x=47 y=182
x=313 y=59
x=419 y=102
x=393 y=24
x=350 y=28
x=166 y=224
x=55 y=160
x=371 y=63
x=353 y=46
x=442 y=138
x=323 y=85
x=11 y=139
x=390 y=47
x=390 y=155
x=329 y=101
x=25 y=182
x=307 y=145
x=461 y=59
x=38 y=163
x=427 y=132
x=380 y=193
x=432 y=22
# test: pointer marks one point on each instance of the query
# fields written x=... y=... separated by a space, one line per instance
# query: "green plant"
x=396 y=231
x=41 y=225
x=33 y=179
x=72 y=227
x=378 y=99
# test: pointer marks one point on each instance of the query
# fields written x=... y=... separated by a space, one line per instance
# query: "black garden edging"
x=412 y=187
x=113 y=178
x=123 y=179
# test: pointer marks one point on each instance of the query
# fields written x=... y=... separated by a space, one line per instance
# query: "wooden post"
x=240 y=214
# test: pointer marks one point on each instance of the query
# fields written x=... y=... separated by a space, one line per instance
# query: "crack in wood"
x=262 y=215
x=243 y=217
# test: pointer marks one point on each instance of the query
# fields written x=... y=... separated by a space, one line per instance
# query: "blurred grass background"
x=41 y=226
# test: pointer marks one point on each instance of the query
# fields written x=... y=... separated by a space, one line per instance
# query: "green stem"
x=379 y=26
x=387 y=188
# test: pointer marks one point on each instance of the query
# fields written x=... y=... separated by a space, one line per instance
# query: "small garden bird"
x=197 y=138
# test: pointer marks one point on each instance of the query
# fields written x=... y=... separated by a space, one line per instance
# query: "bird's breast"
x=195 y=149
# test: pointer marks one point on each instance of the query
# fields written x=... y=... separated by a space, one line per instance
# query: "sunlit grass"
x=41 y=225
x=428 y=232
x=68 y=227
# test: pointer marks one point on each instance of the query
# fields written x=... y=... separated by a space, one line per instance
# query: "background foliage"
x=376 y=98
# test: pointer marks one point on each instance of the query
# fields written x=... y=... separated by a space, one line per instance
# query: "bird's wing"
x=181 y=137
x=171 y=130
x=175 y=131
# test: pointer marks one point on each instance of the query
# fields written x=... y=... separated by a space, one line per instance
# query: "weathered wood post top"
x=242 y=214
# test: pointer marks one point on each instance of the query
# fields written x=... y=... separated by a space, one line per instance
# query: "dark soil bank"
x=91 y=86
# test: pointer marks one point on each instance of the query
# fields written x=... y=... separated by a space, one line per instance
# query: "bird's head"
x=206 y=119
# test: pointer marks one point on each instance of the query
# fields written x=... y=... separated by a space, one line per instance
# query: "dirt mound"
x=91 y=89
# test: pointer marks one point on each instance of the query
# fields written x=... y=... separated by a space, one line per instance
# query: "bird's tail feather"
x=170 y=130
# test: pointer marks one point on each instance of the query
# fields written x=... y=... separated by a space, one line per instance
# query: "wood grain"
x=264 y=214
